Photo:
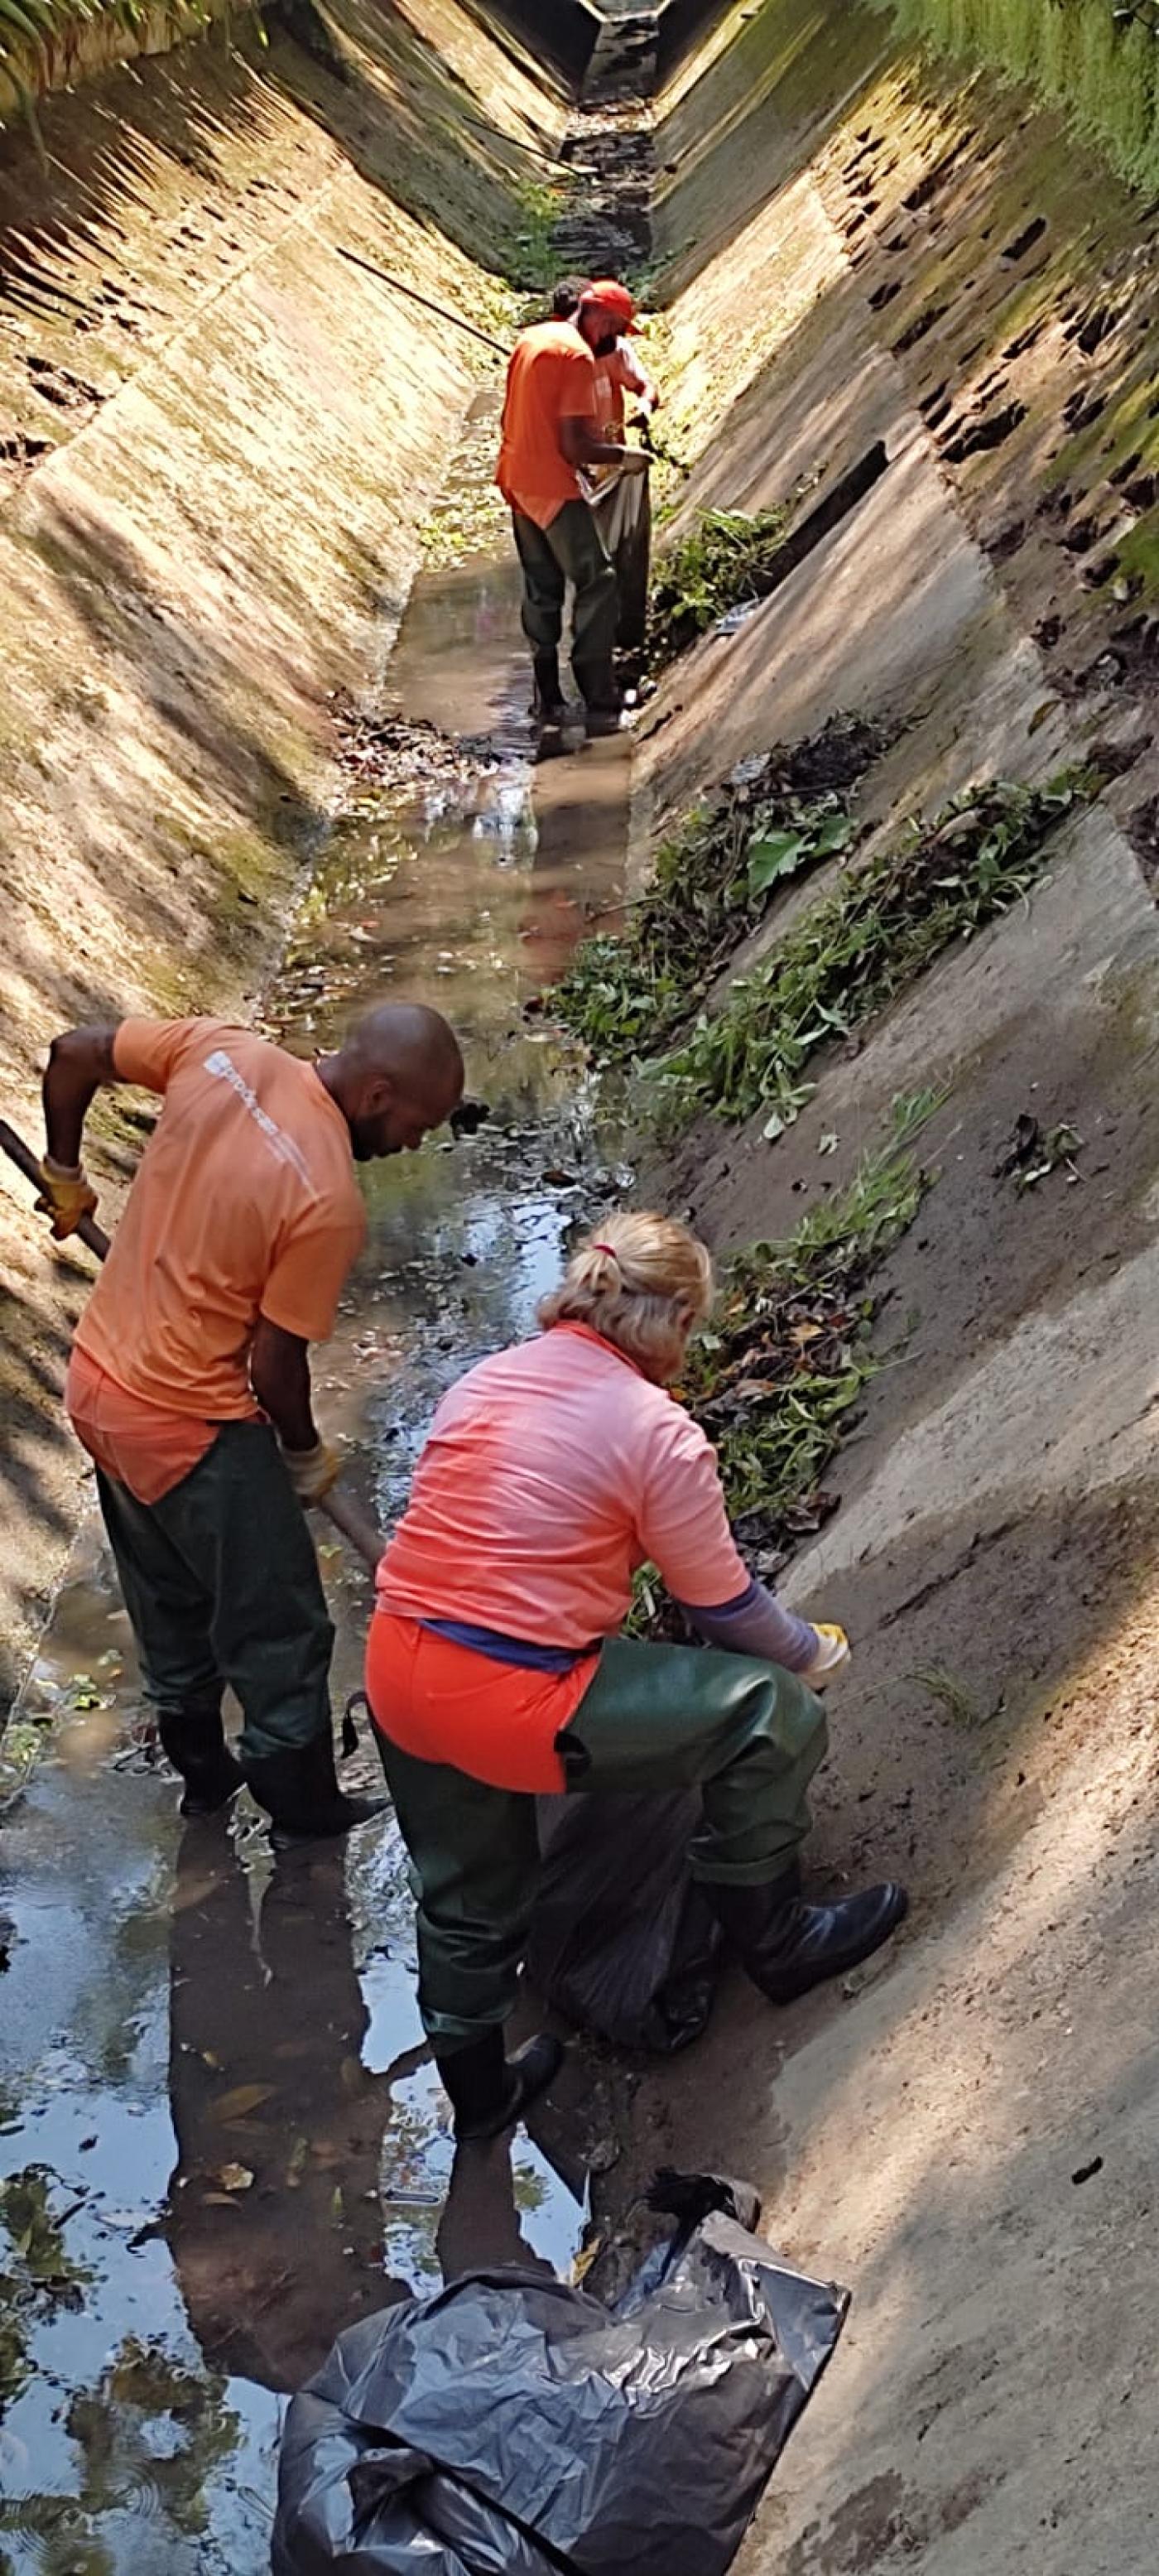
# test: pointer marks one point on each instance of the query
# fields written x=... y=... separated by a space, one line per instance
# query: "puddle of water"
x=220 y=2137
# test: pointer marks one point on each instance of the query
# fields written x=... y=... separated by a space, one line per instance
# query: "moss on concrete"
x=1099 y=68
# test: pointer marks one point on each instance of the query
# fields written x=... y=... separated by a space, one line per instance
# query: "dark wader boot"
x=221 y=1584
x=654 y=1717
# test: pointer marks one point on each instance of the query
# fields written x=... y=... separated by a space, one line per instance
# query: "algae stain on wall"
x=1099 y=68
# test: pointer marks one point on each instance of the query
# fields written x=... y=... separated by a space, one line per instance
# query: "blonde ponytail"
x=639 y=1280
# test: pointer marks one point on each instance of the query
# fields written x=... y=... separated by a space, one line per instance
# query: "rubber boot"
x=548 y=704
x=786 y=1946
x=602 y=697
x=489 y=2091
x=299 y=1788
x=193 y=1740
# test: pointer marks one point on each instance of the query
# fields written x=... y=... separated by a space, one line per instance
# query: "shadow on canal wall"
x=860 y=250
x=218 y=443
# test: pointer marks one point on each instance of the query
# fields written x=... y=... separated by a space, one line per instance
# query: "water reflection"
x=278 y=2123
x=221 y=2139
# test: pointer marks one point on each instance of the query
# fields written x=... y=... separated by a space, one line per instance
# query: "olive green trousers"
x=654 y=1717
x=571 y=549
x=221 y=1584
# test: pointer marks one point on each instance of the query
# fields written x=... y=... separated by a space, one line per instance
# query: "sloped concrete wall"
x=860 y=247
x=218 y=441
x=561 y=33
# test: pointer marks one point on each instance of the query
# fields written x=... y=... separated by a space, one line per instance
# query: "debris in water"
x=235 y=2177
x=1036 y=1152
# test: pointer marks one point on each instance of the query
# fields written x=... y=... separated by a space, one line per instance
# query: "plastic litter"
x=623 y=1940
x=513 y=2426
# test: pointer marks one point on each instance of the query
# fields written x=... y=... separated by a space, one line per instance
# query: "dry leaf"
x=243 y=2099
x=584 y=2260
x=235 y=2177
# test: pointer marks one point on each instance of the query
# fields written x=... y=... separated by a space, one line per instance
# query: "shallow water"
x=221 y=2139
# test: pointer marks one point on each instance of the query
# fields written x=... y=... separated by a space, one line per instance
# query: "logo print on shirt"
x=223 y=1066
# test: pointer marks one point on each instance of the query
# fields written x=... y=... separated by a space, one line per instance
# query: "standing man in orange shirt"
x=550 y=430
x=189 y=1382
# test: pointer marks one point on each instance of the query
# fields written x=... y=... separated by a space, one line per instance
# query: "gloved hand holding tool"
x=66 y=1195
x=189 y=1380
x=69 y=1199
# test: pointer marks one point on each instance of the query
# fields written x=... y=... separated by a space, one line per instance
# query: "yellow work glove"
x=67 y=1195
x=834 y=1652
x=312 y=1471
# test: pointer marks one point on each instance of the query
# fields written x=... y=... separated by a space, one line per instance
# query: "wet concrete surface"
x=221 y=2138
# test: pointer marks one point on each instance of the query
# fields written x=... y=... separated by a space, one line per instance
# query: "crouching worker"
x=189 y=1382
x=495 y=1670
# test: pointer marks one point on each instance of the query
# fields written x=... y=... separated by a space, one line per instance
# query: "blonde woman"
x=495 y=1670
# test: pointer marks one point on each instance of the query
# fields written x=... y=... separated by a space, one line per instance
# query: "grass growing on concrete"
x=34 y=33
x=714 y=881
x=1097 y=63
x=716 y=566
x=776 y=1379
x=531 y=258
x=857 y=948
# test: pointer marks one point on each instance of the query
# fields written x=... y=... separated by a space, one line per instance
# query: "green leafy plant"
x=777 y=1378
x=770 y=822
x=716 y=566
x=858 y=947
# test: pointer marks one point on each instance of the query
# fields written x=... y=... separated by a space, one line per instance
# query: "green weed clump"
x=532 y=258
x=777 y=1378
x=773 y=820
x=858 y=947
x=1097 y=63
x=722 y=562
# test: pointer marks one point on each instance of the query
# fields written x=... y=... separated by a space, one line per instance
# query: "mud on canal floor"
x=221 y=2139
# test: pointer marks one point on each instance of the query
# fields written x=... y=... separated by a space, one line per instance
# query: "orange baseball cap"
x=614 y=298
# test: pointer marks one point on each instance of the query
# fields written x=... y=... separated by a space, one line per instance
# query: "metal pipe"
x=443 y=310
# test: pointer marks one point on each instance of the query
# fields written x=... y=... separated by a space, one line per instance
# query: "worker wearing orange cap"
x=550 y=433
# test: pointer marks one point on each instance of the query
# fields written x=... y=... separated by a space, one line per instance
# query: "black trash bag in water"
x=622 y=1938
x=512 y=2426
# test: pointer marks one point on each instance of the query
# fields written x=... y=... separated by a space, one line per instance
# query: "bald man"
x=189 y=1381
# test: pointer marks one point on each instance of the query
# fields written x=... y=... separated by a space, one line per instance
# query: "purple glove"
x=756 y=1623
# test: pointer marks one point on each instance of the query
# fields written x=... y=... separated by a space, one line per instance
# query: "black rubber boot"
x=786 y=1946
x=489 y=2091
x=299 y=1788
x=193 y=1740
x=548 y=704
x=602 y=696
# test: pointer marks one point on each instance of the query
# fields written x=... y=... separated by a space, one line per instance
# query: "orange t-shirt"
x=245 y=1204
x=551 y=377
x=550 y=1472
x=147 y=1447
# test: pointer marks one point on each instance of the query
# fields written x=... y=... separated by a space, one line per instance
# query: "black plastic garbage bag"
x=512 y=2426
x=622 y=1938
